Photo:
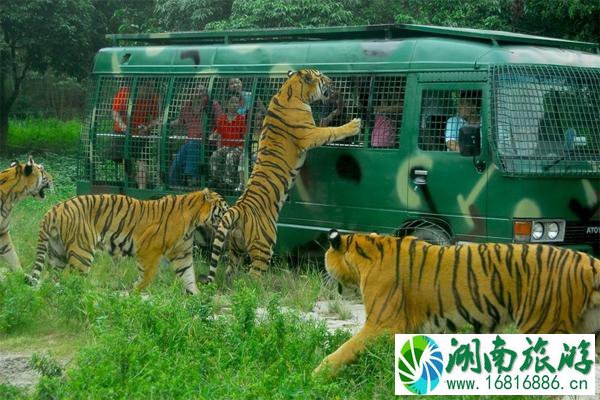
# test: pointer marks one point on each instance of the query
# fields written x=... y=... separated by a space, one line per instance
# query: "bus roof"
x=366 y=49
x=398 y=31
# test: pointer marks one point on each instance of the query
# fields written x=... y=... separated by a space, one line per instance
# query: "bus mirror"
x=469 y=140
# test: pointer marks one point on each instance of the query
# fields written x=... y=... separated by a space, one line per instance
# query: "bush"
x=19 y=303
x=44 y=135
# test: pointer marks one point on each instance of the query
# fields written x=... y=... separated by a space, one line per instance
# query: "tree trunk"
x=3 y=131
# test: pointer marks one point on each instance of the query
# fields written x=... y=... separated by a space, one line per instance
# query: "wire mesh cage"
x=349 y=99
x=182 y=132
x=231 y=103
x=84 y=162
x=443 y=113
x=144 y=129
x=186 y=131
x=545 y=120
x=385 y=117
x=107 y=135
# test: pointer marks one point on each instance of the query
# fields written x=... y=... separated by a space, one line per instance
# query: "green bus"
x=468 y=135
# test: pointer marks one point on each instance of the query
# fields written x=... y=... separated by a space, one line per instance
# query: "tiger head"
x=27 y=179
x=212 y=212
x=351 y=256
x=309 y=85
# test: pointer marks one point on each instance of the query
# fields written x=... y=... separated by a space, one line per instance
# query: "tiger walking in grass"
x=149 y=230
x=410 y=286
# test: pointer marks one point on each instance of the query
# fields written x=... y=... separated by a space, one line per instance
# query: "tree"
x=190 y=15
x=36 y=35
x=285 y=13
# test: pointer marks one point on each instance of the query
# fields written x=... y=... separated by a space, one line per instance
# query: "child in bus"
x=230 y=128
x=235 y=87
x=186 y=165
x=469 y=106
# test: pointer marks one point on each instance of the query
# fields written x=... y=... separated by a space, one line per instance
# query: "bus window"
x=351 y=101
x=144 y=129
x=231 y=101
x=443 y=113
x=108 y=141
x=386 y=111
x=186 y=131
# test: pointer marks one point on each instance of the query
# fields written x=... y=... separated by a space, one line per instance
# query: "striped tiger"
x=411 y=286
x=17 y=182
x=149 y=230
x=288 y=132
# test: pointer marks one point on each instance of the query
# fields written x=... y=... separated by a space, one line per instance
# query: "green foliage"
x=183 y=15
x=49 y=135
x=46 y=365
x=283 y=13
x=19 y=304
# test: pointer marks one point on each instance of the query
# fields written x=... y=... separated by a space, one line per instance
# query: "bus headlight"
x=537 y=231
x=553 y=230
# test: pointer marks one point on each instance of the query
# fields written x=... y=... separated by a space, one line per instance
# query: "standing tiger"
x=411 y=286
x=17 y=182
x=288 y=132
x=147 y=229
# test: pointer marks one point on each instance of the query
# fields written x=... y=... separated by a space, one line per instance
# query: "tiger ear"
x=307 y=77
x=13 y=163
x=290 y=73
x=29 y=167
x=335 y=240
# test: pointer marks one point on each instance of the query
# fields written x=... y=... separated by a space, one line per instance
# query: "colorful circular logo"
x=420 y=364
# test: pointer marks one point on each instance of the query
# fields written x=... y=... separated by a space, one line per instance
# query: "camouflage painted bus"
x=468 y=135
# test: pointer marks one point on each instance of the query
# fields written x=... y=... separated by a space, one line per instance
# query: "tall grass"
x=44 y=135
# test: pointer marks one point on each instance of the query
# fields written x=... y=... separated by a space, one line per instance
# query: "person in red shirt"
x=144 y=116
x=230 y=128
x=186 y=165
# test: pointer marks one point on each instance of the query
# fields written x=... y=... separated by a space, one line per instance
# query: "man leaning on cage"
x=144 y=116
x=185 y=168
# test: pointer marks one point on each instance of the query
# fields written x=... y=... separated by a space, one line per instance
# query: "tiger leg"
x=318 y=136
x=148 y=263
x=184 y=269
x=347 y=352
x=260 y=256
x=8 y=253
x=81 y=261
x=227 y=221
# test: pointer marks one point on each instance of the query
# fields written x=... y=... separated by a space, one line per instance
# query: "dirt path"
x=15 y=370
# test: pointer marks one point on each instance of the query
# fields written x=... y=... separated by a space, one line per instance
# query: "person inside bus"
x=235 y=87
x=259 y=114
x=144 y=116
x=185 y=167
x=385 y=122
x=230 y=128
x=469 y=109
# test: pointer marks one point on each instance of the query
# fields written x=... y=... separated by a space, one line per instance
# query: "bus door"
x=445 y=187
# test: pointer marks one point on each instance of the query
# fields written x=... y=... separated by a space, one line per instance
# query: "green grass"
x=168 y=345
x=44 y=135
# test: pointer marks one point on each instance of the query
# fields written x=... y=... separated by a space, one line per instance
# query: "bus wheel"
x=434 y=232
x=432 y=235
